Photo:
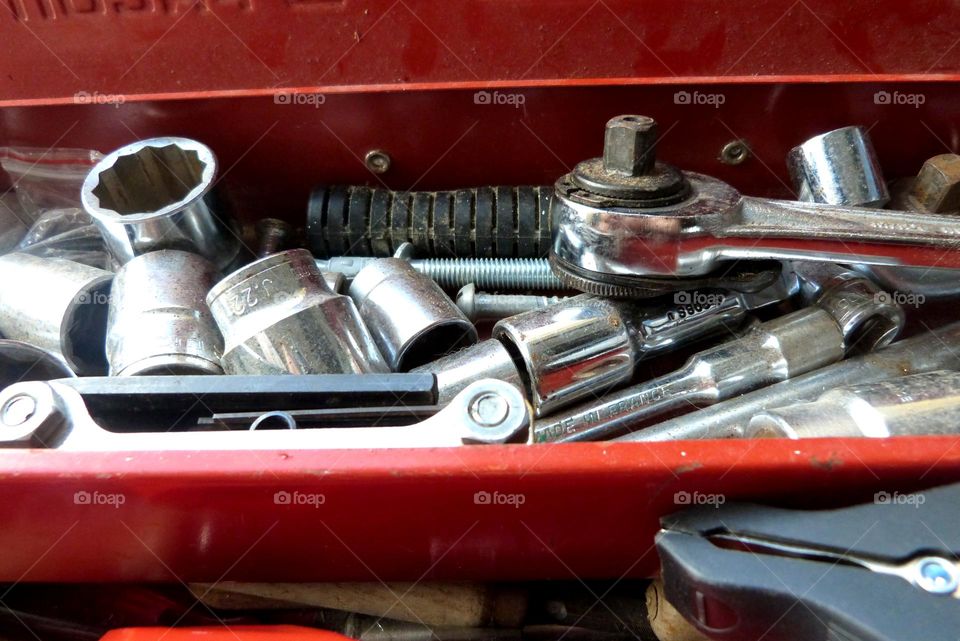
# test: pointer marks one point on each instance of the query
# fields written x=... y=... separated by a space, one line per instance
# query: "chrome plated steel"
x=486 y=359
x=613 y=239
x=587 y=345
x=58 y=305
x=156 y=194
x=933 y=350
x=278 y=316
x=412 y=321
x=927 y=403
x=771 y=352
x=54 y=415
x=159 y=322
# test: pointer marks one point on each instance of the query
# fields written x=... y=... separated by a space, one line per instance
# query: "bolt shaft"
x=489 y=273
x=453 y=273
x=273 y=235
x=496 y=306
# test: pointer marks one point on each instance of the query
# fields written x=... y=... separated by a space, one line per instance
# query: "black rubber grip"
x=503 y=222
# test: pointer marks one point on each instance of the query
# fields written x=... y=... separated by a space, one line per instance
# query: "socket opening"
x=85 y=330
x=149 y=179
x=436 y=342
x=876 y=330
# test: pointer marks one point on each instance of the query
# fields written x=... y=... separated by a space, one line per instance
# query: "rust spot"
x=688 y=467
x=826 y=464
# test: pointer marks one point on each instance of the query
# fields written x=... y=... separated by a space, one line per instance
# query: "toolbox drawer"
x=289 y=94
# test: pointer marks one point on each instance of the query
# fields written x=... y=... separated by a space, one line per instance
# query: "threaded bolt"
x=454 y=273
x=483 y=306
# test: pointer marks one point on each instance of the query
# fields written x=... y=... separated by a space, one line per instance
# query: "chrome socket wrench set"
x=629 y=301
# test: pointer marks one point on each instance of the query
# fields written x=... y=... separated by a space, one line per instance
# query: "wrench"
x=615 y=221
x=54 y=415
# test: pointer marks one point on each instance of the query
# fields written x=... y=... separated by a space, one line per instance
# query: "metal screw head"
x=467 y=300
x=937 y=576
x=377 y=161
x=489 y=409
x=18 y=410
x=734 y=152
x=629 y=145
x=937 y=187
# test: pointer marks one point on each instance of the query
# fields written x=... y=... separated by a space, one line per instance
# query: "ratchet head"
x=618 y=220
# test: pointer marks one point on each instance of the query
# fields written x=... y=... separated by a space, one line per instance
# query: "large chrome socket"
x=57 y=305
x=412 y=320
x=156 y=194
x=279 y=316
x=159 y=320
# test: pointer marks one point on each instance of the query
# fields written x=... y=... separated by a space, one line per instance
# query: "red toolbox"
x=289 y=93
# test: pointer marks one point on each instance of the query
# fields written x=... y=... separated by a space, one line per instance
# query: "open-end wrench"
x=625 y=217
x=54 y=415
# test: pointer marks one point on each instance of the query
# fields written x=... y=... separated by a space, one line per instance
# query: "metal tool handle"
x=54 y=415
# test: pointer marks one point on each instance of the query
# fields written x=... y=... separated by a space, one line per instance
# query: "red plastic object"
x=221 y=633
x=292 y=93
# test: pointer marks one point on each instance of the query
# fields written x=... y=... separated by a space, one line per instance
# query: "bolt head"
x=629 y=145
x=489 y=409
x=937 y=187
x=467 y=300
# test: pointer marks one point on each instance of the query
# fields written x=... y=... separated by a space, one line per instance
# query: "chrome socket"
x=412 y=321
x=21 y=361
x=586 y=346
x=156 y=194
x=279 y=316
x=57 y=305
x=839 y=167
x=159 y=321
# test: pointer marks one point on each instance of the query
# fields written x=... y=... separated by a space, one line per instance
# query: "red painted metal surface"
x=54 y=48
x=273 y=153
x=292 y=93
x=223 y=633
x=588 y=510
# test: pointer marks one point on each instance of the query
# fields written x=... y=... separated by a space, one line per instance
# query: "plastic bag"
x=47 y=185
